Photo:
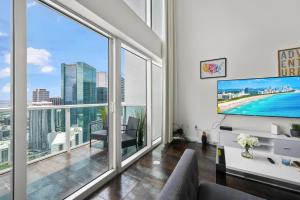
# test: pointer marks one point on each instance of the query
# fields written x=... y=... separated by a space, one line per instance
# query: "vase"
x=247 y=154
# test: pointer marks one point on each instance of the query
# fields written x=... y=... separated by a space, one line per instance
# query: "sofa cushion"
x=211 y=191
x=183 y=182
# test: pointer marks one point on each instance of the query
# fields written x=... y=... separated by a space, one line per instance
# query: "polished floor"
x=145 y=178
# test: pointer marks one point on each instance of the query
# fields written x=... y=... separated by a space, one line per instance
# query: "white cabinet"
x=273 y=144
x=287 y=148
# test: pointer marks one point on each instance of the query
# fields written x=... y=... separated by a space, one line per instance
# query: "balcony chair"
x=128 y=136
x=98 y=132
x=129 y=133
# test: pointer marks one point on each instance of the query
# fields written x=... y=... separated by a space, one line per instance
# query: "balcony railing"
x=56 y=129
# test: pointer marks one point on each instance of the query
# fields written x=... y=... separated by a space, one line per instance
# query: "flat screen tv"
x=272 y=97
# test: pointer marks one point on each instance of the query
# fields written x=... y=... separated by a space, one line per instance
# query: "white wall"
x=248 y=33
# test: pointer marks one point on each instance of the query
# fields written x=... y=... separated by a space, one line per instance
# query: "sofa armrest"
x=183 y=182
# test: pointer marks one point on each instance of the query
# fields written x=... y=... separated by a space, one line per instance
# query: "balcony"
x=60 y=157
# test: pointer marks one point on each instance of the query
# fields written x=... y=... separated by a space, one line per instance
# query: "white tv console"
x=274 y=144
x=260 y=169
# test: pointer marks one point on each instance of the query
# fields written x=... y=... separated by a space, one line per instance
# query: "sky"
x=52 y=39
x=260 y=83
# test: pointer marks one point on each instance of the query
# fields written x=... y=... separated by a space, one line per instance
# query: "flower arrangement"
x=247 y=142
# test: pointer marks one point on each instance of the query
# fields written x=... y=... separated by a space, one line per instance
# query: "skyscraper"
x=55 y=100
x=39 y=127
x=39 y=95
x=79 y=87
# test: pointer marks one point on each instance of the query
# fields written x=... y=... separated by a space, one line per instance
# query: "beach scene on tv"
x=274 y=97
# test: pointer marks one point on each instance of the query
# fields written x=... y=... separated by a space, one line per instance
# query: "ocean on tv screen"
x=275 y=97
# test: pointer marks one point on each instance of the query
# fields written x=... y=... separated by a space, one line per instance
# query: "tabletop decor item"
x=286 y=161
x=215 y=68
x=247 y=142
x=295 y=130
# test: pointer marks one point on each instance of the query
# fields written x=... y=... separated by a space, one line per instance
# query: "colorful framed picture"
x=215 y=68
x=289 y=62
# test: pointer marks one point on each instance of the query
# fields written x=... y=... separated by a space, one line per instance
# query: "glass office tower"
x=79 y=87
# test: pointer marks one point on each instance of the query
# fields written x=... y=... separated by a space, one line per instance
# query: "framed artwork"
x=289 y=62
x=215 y=68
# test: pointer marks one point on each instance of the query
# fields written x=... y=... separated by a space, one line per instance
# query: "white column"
x=19 y=96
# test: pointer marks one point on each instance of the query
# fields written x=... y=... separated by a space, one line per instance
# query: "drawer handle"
x=286 y=148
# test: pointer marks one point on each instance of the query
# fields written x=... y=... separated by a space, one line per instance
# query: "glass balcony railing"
x=60 y=146
x=52 y=130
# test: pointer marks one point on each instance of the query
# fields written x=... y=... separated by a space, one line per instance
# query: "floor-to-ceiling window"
x=134 y=103
x=70 y=137
x=157 y=100
x=67 y=98
x=6 y=106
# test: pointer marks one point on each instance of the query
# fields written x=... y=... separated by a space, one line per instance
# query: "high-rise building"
x=102 y=87
x=78 y=83
x=79 y=87
x=55 y=100
x=39 y=95
x=39 y=127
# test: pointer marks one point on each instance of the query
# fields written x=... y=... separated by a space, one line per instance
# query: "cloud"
x=6 y=88
x=37 y=57
x=47 y=69
x=2 y=34
x=31 y=4
x=5 y=72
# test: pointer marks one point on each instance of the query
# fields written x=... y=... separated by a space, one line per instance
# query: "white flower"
x=247 y=140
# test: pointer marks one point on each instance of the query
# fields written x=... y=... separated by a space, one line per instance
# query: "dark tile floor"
x=144 y=179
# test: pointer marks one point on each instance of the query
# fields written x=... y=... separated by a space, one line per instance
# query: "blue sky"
x=52 y=39
x=260 y=83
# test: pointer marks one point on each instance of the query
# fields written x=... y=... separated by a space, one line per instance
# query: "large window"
x=134 y=103
x=6 y=142
x=68 y=129
x=67 y=78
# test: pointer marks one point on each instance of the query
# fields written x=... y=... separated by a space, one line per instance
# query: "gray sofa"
x=183 y=184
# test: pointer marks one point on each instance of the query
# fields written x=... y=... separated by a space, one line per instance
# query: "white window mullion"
x=117 y=104
x=19 y=92
x=149 y=103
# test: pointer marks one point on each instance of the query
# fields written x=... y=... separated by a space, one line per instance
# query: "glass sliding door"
x=157 y=100
x=134 y=103
x=67 y=103
x=6 y=106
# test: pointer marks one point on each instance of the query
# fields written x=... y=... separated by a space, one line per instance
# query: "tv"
x=270 y=97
